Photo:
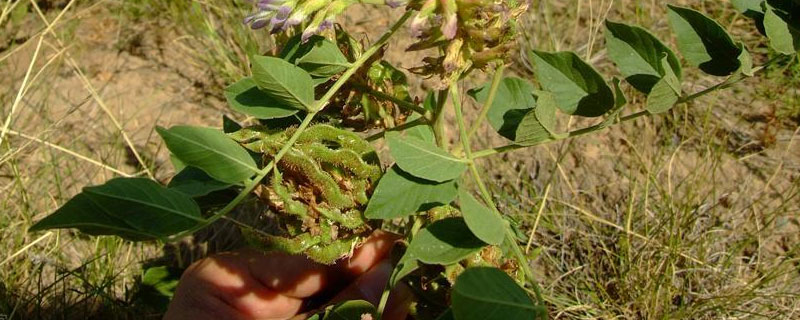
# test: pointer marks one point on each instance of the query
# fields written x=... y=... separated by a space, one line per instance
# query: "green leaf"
x=424 y=159
x=661 y=98
x=132 y=208
x=578 y=88
x=322 y=58
x=284 y=82
x=400 y=194
x=748 y=5
x=407 y=264
x=752 y=9
x=665 y=93
x=638 y=55
x=539 y=124
x=746 y=61
x=211 y=151
x=158 y=286
x=423 y=131
x=445 y=242
x=229 y=125
x=490 y=294
x=194 y=182
x=621 y=101
x=782 y=25
x=245 y=97
x=514 y=99
x=351 y=310
x=177 y=164
x=482 y=221
x=703 y=42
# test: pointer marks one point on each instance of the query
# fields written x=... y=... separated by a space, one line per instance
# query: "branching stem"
x=581 y=132
x=473 y=168
x=426 y=114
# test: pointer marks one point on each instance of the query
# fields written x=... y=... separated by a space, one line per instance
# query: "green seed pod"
x=319 y=189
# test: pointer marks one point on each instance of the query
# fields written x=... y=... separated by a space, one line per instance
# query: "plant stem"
x=580 y=132
x=407 y=125
x=438 y=122
x=473 y=168
x=387 y=291
x=487 y=105
x=320 y=104
x=426 y=114
x=496 y=79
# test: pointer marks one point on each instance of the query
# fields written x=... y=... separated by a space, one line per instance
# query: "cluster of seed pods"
x=318 y=189
x=471 y=33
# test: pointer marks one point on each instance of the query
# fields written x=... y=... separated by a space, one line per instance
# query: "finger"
x=291 y=275
x=370 y=287
x=228 y=278
x=298 y=277
x=397 y=308
x=375 y=249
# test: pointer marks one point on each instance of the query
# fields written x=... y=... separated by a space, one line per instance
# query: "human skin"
x=248 y=284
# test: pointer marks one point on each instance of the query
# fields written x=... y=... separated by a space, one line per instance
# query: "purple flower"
x=396 y=3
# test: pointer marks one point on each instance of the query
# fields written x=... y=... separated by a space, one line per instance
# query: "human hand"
x=248 y=284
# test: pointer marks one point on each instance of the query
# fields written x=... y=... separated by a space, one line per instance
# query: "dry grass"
x=693 y=214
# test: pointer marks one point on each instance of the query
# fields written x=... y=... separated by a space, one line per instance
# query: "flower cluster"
x=280 y=15
x=472 y=33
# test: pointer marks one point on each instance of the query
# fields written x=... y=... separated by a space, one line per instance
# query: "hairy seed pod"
x=318 y=188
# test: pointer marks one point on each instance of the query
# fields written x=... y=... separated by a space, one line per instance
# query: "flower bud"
x=396 y=3
x=420 y=21
x=450 y=25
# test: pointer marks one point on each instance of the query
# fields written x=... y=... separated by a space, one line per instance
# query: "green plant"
x=325 y=183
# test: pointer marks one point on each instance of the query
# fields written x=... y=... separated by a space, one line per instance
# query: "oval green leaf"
x=482 y=221
x=423 y=131
x=424 y=159
x=538 y=125
x=782 y=25
x=666 y=93
x=245 y=96
x=445 y=242
x=490 y=294
x=703 y=42
x=194 y=182
x=284 y=82
x=637 y=54
x=132 y=208
x=578 y=88
x=321 y=58
x=513 y=100
x=400 y=194
x=211 y=151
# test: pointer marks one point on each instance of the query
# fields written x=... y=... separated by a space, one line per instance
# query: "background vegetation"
x=693 y=214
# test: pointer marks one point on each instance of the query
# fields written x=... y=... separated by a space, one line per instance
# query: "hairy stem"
x=473 y=168
x=407 y=125
x=320 y=104
x=496 y=79
x=438 y=121
x=426 y=114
